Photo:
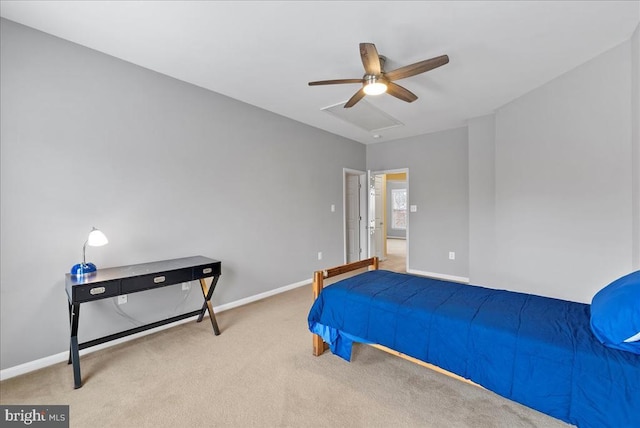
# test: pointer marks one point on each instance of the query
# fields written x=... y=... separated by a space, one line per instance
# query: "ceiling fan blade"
x=417 y=68
x=400 y=92
x=370 y=58
x=355 y=98
x=334 y=82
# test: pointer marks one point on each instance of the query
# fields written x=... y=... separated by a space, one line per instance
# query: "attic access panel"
x=363 y=115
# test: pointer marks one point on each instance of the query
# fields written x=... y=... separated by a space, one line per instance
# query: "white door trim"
x=363 y=206
x=399 y=171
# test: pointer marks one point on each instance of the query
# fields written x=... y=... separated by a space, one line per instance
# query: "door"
x=355 y=225
x=352 y=217
x=376 y=216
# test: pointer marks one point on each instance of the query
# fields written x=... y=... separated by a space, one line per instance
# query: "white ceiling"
x=265 y=52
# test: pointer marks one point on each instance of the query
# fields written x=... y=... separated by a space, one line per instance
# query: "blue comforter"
x=535 y=350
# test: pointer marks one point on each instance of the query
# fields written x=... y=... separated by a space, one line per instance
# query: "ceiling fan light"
x=374 y=86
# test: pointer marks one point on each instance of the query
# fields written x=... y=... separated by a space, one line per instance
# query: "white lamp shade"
x=97 y=238
x=376 y=88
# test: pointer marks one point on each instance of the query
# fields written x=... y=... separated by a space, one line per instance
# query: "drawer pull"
x=159 y=279
x=207 y=270
x=97 y=290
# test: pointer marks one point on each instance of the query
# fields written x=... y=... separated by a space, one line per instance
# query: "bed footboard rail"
x=320 y=275
x=318 y=284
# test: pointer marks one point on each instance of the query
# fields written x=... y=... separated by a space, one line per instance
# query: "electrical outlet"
x=186 y=286
x=122 y=299
x=452 y=255
x=319 y=255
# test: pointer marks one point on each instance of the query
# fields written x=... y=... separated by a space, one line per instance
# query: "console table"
x=117 y=281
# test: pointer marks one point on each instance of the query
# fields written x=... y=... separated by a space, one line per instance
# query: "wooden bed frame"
x=319 y=346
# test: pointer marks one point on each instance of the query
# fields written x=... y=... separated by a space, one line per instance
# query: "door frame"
x=394 y=171
x=362 y=208
x=379 y=218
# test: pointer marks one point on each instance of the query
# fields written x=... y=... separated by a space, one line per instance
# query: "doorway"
x=396 y=221
x=376 y=220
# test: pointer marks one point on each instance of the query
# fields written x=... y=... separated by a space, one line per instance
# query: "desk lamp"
x=96 y=239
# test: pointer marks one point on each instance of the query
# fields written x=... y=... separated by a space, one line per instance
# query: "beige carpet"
x=260 y=373
x=396 y=255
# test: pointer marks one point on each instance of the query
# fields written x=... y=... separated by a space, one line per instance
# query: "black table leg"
x=207 y=293
x=74 y=353
x=70 y=328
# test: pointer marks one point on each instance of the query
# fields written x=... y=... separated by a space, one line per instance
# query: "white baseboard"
x=439 y=276
x=261 y=296
x=64 y=356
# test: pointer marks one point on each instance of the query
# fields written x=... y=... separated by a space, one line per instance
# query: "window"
x=399 y=209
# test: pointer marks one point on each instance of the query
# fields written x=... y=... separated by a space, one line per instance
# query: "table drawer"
x=147 y=282
x=87 y=293
x=206 y=271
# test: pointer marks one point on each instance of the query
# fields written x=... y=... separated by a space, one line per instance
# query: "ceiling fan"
x=377 y=81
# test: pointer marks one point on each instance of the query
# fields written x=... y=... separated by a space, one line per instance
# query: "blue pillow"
x=615 y=314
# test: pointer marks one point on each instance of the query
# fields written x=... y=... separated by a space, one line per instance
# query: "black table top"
x=120 y=272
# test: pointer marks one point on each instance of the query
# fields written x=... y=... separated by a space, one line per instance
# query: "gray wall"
x=482 y=202
x=563 y=183
x=552 y=181
x=438 y=185
x=166 y=170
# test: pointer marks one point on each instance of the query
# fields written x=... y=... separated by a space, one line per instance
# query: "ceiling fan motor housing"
x=383 y=59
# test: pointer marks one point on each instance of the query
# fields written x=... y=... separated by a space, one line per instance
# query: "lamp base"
x=83 y=269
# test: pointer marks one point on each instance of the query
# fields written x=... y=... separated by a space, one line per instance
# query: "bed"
x=535 y=350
